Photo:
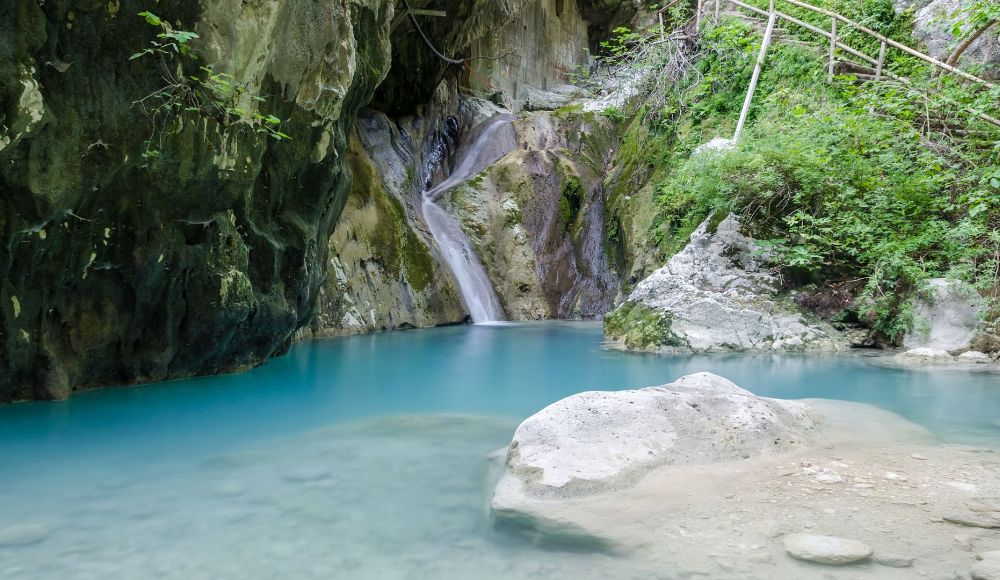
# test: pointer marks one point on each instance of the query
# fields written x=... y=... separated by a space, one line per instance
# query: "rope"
x=427 y=41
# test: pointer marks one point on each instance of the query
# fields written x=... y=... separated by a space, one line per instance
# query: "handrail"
x=866 y=30
x=884 y=42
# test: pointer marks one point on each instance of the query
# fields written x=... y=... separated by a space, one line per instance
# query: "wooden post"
x=833 y=50
x=663 y=30
x=881 y=61
x=697 y=17
x=756 y=72
x=878 y=71
x=717 y=12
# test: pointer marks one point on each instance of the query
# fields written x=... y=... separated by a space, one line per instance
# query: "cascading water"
x=494 y=138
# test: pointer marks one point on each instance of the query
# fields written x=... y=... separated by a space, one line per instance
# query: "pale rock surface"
x=826 y=549
x=924 y=355
x=933 y=22
x=716 y=295
x=946 y=315
x=893 y=560
x=974 y=356
x=598 y=441
x=987 y=567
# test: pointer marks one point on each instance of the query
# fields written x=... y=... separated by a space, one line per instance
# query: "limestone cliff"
x=206 y=254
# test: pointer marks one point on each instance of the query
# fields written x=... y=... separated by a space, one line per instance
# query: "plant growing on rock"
x=206 y=92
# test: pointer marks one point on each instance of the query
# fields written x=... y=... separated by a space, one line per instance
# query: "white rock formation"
x=598 y=441
x=925 y=356
x=946 y=315
x=987 y=567
x=716 y=295
x=826 y=549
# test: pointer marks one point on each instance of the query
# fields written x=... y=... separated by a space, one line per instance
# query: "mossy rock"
x=640 y=327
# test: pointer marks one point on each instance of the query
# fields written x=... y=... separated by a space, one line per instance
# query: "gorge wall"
x=206 y=254
x=139 y=244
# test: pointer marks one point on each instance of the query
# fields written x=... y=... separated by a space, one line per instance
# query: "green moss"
x=641 y=327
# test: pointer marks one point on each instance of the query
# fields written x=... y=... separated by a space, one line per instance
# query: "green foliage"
x=570 y=201
x=832 y=190
x=206 y=92
x=641 y=327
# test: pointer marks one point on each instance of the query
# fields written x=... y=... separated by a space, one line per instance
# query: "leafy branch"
x=209 y=93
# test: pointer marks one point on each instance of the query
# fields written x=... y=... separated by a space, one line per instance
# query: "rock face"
x=536 y=219
x=715 y=295
x=599 y=441
x=385 y=271
x=826 y=549
x=203 y=257
x=946 y=316
x=933 y=22
x=987 y=567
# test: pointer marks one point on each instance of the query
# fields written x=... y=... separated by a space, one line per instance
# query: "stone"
x=598 y=441
x=924 y=355
x=828 y=476
x=918 y=457
x=946 y=315
x=974 y=356
x=893 y=560
x=987 y=567
x=826 y=549
x=975 y=520
x=23 y=535
x=717 y=294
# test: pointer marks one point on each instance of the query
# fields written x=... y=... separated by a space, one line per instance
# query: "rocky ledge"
x=706 y=480
x=716 y=295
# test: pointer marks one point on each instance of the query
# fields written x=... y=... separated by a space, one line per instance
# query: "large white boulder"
x=946 y=316
x=716 y=295
x=599 y=441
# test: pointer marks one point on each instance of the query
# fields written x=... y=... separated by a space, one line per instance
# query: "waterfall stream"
x=492 y=140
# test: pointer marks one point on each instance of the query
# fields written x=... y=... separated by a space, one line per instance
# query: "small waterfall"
x=493 y=139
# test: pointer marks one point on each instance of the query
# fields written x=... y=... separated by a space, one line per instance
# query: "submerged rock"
x=23 y=535
x=597 y=441
x=716 y=295
x=826 y=549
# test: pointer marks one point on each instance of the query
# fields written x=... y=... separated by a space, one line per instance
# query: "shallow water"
x=362 y=457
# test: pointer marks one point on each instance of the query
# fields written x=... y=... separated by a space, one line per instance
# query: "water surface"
x=362 y=457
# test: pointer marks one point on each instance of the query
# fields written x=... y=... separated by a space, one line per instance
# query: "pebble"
x=988 y=567
x=828 y=476
x=22 y=535
x=826 y=549
x=894 y=476
x=894 y=560
x=918 y=456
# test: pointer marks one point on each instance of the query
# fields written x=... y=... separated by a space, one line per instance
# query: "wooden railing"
x=834 y=37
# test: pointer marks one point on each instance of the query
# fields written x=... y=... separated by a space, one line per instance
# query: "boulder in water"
x=598 y=441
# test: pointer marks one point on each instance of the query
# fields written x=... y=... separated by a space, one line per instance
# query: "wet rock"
x=23 y=535
x=987 y=568
x=826 y=549
x=716 y=295
x=975 y=520
x=893 y=560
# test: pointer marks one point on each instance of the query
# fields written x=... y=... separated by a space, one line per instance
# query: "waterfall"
x=492 y=140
